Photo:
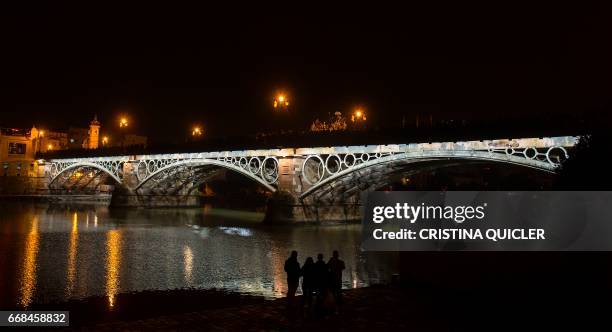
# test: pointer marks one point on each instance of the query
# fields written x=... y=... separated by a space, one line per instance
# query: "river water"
x=55 y=253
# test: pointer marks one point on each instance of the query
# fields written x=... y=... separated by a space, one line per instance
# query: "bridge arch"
x=239 y=167
x=387 y=162
x=58 y=170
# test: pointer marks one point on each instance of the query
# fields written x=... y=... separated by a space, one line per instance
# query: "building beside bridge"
x=17 y=151
x=19 y=146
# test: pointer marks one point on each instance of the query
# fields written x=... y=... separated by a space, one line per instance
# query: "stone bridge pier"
x=307 y=184
x=289 y=205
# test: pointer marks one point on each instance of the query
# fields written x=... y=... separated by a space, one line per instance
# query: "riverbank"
x=388 y=308
x=376 y=308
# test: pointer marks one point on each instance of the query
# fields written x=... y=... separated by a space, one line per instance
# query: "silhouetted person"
x=336 y=266
x=292 y=267
x=321 y=277
x=308 y=281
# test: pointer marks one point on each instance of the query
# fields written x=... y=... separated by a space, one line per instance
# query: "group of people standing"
x=320 y=280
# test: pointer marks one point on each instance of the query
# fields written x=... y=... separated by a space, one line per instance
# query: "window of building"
x=16 y=148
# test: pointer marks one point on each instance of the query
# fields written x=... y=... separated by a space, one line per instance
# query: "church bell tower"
x=94 y=133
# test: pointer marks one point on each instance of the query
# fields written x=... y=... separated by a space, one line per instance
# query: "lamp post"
x=358 y=117
x=197 y=132
x=281 y=105
x=39 y=143
x=123 y=124
x=281 y=102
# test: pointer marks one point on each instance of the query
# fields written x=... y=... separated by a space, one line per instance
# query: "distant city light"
x=50 y=147
x=197 y=131
x=123 y=122
x=104 y=140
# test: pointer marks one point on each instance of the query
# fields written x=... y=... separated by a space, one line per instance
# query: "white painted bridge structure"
x=329 y=174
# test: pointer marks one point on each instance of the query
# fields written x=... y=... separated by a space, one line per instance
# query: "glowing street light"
x=196 y=132
x=281 y=102
x=123 y=123
x=358 y=115
x=105 y=140
x=50 y=147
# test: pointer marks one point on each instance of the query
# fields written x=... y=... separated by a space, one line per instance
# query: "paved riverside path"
x=373 y=309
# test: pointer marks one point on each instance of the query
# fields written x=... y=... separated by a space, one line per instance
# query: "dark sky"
x=171 y=67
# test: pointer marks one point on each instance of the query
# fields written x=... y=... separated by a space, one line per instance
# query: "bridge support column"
x=286 y=206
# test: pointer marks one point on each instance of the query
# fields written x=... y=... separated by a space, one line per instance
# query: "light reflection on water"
x=29 y=268
x=113 y=261
x=72 y=252
x=62 y=257
x=188 y=263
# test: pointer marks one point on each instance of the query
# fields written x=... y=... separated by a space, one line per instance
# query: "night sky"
x=169 y=68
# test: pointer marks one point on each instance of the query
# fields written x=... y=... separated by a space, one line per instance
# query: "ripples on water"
x=56 y=253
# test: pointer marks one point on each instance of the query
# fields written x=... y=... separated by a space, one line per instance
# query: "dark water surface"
x=51 y=253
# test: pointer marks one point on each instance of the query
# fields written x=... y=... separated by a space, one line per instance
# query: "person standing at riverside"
x=321 y=273
x=336 y=266
x=308 y=282
x=292 y=268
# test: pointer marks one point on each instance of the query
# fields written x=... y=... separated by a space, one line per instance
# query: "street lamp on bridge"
x=358 y=115
x=358 y=118
x=197 y=131
x=123 y=122
x=281 y=102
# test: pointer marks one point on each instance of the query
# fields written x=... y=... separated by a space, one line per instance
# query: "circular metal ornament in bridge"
x=560 y=156
x=269 y=170
x=313 y=169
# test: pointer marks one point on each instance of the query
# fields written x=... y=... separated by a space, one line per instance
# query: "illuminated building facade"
x=16 y=152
